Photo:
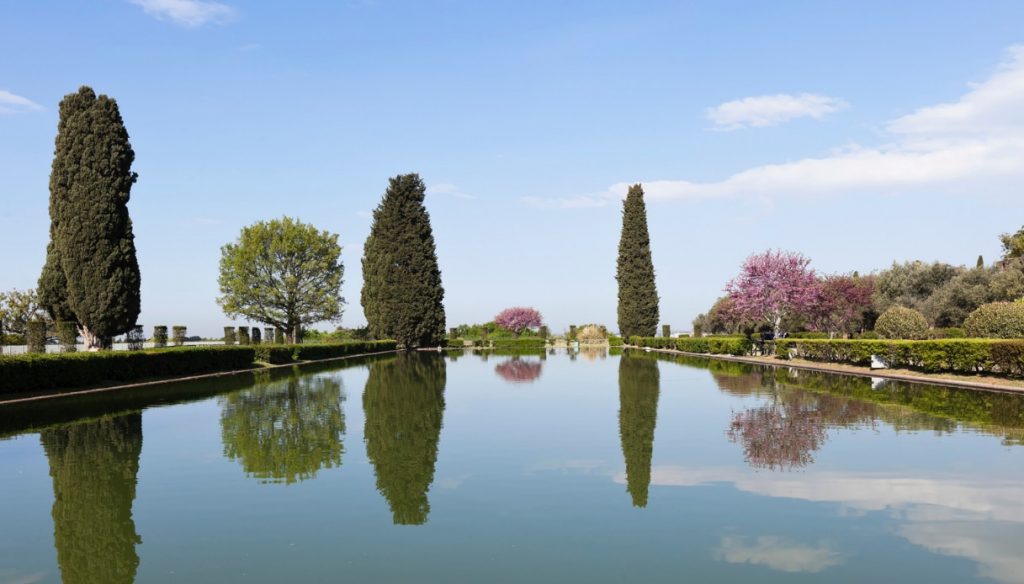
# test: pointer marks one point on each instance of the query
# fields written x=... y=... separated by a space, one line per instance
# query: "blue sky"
x=856 y=132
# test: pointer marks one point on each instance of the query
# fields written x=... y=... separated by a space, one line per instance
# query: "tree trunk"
x=92 y=341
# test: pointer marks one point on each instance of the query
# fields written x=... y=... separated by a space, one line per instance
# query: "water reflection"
x=404 y=407
x=286 y=430
x=639 y=383
x=519 y=370
x=94 y=466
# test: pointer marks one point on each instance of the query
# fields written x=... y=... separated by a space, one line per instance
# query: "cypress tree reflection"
x=285 y=431
x=404 y=407
x=639 y=383
x=94 y=466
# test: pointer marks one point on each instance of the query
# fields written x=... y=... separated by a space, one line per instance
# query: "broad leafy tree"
x=402 y=295
x=639 y=387
x=285 y=431
x=519 y=319
x=17 y=308
x=843 y=303
x=91 y=275
x=774 y=286
x=283 y=273
x=910 y=284
x=638 y=294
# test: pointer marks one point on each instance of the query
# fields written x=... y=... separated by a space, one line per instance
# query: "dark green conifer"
x=402 y=295
x=639 y=386
x=981 y=262
x=94 y=466
x=404 y=407
x=91 y=274
x=638 y=295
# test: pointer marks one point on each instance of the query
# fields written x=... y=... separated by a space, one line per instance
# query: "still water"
x=530 y=468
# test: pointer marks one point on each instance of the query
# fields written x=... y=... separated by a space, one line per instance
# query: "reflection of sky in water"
x=533 y=486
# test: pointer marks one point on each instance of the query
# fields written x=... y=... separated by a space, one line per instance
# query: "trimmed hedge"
x=706 y=345
x=22 y=373
x=522 y=344
x=965 y=356
x=38 y=372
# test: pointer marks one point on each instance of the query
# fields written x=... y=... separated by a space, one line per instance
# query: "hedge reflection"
x=287 y=430
x=404 y=407
x=639 y=382
x=94 y=466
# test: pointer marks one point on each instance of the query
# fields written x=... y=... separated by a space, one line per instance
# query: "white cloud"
x=772 y=110
x=16 y=104
x=190 y=13
x=449 y=190
x=778 y=554
x=972 y=145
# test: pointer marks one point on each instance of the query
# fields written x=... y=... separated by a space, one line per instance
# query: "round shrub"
x=998 y=320
x=902 y=323
x=591 y=333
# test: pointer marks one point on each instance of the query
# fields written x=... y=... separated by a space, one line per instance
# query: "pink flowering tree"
x=773 y=286
x=518 y=319
x=842 y=302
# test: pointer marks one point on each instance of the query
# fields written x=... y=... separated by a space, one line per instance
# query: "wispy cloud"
x=16 y=104
x=449 y=190
x=772 y=110
x=972 y=145
x=778 y=554
x=189 y=13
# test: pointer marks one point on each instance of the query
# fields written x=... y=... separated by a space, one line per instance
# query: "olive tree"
x=282 y=273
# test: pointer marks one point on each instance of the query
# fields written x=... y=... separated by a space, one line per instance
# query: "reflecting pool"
x=540 y=467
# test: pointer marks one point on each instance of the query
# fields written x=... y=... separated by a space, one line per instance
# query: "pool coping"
x=926 y=379
x=57 y=394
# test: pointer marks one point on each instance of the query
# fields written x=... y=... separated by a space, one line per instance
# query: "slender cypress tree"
x=639 y=386
x=402 y=295
x=981 y=262
x=638 y=295
x=91 y=272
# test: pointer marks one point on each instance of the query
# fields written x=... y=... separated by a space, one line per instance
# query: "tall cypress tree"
x=638 y=295
x=91 y=272
x=639 y=386
x=402 y=295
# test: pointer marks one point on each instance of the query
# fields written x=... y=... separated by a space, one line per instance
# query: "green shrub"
x=615 y=341
x=159 y=337
x=21 y=373
x=998 y=320
x=178 y=334
x=35 y=336
x=705 y=345
x=532 y=343
x=243 y=336
x=948 y=333
x=963 y=356
x=67 y=333
x=869 y=335
x=229 y=335
x=807 y=335
x=902 y=323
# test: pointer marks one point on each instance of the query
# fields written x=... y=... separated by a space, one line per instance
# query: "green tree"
x=638 y=295
x=404 y=406
x=282 y=273
x=955 y=300
x=91 y=275
x=1013 y=245
x=402 y=295
x=639 y=386
x=94 y=465
x=287 y=430
x=910 y=284
x=981 y=262
x=17 y=308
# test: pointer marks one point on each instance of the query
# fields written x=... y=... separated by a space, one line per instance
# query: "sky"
x=858 y=133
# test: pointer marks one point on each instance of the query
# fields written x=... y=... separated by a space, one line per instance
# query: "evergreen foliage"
x=638 y=295
x=159 y=336
x=639 y=386
x=67 y=334
x=94 y=465
x=178 y=334
x=35 y=336
x=402 y=296
x=404 y=406
x=91 y=273
x=229 y=335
